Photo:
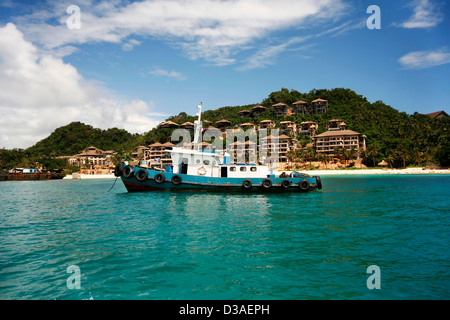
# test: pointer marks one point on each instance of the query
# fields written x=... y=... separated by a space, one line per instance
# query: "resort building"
x=309 y=128
x=156 y=154
x=267 y=124
x=288 y=127
x=247 y=125
x=329 y=140
x=213 y=129
x=438 y=114
x=203 y=146
x=187 y=125
x=244 y=113
x=223 y=124
x=139 y=152
x=336 y=124
x=300 y=107
x=243 y=152
x=280 y=109
x=319 y=106
x=155 y=151
x=93 y=161
x=168 y=124
x=281 y=145
x=257 y=110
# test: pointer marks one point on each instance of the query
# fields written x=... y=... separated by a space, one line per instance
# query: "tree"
x=310 y=154
x=372 y=151
x=350 y=154
x=390 y=159
x=325 y=158
x=403 y=154
x=339 y=153
x=443 y=155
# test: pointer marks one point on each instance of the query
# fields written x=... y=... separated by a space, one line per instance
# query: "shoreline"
x=89 y=176
x=310 y=172
x=377 y=171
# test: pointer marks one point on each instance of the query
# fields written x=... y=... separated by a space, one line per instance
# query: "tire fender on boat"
x=304 y=184
x=176 y=179
x=128 y=171
x=285 y=184
x=318 y=182
x=247 y=184
x=159 y=178
x=266 y=183
x=118 y=170
x=141 y=175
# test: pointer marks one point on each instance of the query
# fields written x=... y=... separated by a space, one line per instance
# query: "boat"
x=194 y=169
x=24 y=174
x=56 y=174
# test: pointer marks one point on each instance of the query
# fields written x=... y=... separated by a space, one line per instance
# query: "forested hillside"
x=404 y=139
x=400 y=138
x=76 y=136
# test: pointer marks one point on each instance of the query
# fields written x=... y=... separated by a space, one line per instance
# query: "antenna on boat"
x=198 y=128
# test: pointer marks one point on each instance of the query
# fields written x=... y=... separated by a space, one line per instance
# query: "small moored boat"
x=25 y=174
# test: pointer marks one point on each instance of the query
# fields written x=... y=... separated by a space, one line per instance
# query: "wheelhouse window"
x=253 y=169
x=243 y=169
x=232 y=168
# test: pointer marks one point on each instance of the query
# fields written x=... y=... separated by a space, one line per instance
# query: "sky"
x=131 y=64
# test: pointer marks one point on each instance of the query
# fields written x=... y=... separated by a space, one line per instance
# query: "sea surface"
x=74 y=239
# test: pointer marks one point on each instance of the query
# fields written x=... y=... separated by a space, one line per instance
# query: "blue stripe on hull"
x=211 y=184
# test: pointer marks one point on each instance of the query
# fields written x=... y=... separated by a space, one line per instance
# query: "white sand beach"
x=89 y=176
x=376 y=171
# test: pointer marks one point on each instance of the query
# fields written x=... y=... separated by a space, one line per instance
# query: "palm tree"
x=403 y=154
x=372 y=150
x=323 y=157
x=310 y=154
x=292 y=156
x=390 y=159
x=417 y=156
x=350 y=153
x=339 y=153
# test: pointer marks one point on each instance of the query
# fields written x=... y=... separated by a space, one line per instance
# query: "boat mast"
x=198 y=128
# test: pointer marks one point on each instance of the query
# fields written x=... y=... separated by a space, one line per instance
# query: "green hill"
x=77 y=136
x=405 y=139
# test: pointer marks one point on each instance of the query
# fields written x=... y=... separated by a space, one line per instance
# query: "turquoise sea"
x=163 y=245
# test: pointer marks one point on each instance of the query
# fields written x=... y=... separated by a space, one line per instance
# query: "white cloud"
x=130 y=44
x=170 y=74
x=209 y=29
x=267 y=55
x=137 y=116
x=425 y=59
x=426 y=15
x=40 y=92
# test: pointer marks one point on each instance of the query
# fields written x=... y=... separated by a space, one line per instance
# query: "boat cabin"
x=209 y=164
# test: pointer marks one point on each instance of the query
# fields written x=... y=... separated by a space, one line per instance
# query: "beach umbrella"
x=383 y=164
